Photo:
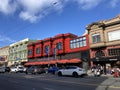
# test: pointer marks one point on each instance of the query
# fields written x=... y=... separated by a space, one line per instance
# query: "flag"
x=47 y=50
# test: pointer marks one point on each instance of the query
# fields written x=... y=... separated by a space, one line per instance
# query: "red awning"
x=45 y=63
x=76 y=60
x=52 y=62
x=30 y=63
x=40 y=63
x=64 y=61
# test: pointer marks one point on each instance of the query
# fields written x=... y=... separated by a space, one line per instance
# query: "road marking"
x=79 y=83
x=14 y=82
x=33 y=89
x=48 y=88
x=28 y=77
x=71 y=82
x=114 y=87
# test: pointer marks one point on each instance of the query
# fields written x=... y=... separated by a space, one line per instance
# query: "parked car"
x=7 y=69
x=2 y=69
x=74 y=71
x=35 y=70
x=53 y=70
x=17 y=69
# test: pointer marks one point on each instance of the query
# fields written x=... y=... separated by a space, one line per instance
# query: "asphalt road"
x=21 y=81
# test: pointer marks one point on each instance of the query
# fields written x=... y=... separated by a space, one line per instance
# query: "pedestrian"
x=116 y=73
x=98 y=72
x=112 y=71
x=95 y=72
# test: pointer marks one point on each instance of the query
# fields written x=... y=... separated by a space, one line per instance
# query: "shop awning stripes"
x=64 y=61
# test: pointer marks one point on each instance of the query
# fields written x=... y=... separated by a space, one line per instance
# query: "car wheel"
x=59 y=73
x=75 y=74
x=26 y=72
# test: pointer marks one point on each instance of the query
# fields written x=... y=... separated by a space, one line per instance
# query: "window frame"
x=78 y=43
x=59 y=46
x=30 y=52
x=38 y=50
x=96 y=38
x=46 y=49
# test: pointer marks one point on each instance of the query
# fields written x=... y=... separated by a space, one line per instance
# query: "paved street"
x=21 y=81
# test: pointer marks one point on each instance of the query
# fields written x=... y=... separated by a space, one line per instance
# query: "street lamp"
x=55 y=53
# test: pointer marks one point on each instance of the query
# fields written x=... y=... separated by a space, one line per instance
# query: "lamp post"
x=47 y=51
x=55 y=53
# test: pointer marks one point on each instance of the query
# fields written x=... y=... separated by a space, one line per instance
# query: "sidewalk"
x=112 y=83
x=92 y=74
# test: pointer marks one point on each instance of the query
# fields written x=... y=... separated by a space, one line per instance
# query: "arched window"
x=30 y=52
x=59 y=46
x=38 y=50
x=99 y=53
x=46 y=49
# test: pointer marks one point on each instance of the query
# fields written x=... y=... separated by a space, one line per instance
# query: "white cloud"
x=114 y=3
x=34 y=10
x=6 y=39
x=88 y=4
x=7 y=6
x=28 y=16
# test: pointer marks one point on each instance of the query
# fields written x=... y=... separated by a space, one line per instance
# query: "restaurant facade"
x=62 y=49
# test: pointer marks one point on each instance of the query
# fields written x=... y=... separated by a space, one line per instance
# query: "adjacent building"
x=62 y=49
x=4 y=52
x=18 y=52
x=104 y=41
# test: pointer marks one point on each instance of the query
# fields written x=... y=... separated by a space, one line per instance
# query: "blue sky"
x=40 y=19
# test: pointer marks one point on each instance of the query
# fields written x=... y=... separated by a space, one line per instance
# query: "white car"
x=72 y=71
x=17 y=69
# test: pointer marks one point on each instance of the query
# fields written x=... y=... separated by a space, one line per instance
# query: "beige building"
x=18 y=52
x=4 y=52
x=104 y=40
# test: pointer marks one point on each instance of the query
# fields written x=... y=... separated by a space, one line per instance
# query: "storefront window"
x=114 y=52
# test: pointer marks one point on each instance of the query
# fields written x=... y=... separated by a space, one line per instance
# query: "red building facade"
x=60 y=49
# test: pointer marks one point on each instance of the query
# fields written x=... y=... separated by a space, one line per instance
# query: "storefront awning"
x=64 y=61
x=74 y=60
x=36 y=63
x=30 y=63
